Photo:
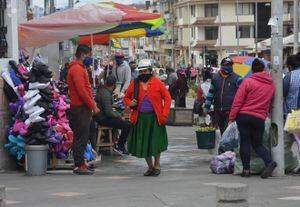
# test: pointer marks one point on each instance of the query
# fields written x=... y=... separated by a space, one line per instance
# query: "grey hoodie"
x=123 y=74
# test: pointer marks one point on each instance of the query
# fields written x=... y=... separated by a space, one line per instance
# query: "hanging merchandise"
x=38 y=112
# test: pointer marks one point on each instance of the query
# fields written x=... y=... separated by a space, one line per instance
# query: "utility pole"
x=296 y=26
x=189 y=26
x=71 y=3
x=256 y=30
x=276 y=23
x=238 y=27
x=52 y=6
x=220 y=29
x=46 y=7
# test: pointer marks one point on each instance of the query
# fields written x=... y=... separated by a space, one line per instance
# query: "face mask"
x=119 y=61
x=145 y=77
x=87 y=61
x=227 y=70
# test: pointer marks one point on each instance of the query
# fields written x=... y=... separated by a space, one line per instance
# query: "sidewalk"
x=186 y=181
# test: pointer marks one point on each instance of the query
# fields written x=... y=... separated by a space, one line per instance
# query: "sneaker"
x=82 y=170
x=31 y=102
x=120 y=150
x=269 y=170
x=30 y=94
x=37 y=85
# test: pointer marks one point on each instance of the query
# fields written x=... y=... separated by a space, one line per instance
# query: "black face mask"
x=145 y=77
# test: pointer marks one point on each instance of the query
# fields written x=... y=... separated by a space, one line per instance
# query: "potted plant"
x=206 y=136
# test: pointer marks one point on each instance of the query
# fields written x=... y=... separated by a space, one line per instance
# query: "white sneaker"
x=31 y=102
x=37 y=85
x=31 y=110
x=37 y=112
x=30 y=94
x=34 y=119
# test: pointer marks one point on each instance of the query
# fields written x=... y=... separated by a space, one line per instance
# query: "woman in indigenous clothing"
x=150 y=111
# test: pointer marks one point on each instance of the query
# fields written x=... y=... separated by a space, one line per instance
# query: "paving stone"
x=242 y=203
x=232 y=192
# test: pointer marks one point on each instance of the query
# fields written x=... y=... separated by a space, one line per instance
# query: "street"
x=186 y=181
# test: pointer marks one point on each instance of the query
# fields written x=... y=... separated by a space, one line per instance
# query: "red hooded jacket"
x=158 y=95
x=79 y=86
x=254 y=96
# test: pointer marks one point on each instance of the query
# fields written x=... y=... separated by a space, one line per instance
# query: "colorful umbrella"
x=103 y=39
x=60 y=26
x=134 y=23
x=242 y=65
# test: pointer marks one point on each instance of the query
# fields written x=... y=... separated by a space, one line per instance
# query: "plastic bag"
x=230 y=138
x=292 y=124
x=223 y=163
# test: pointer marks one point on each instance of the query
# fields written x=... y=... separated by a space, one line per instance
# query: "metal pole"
x=256 y=29
x=238 y=28
x=71 y=3
x=52 y=6
x=277 y=110
x=173 y=38
x=296 y=26
x=220 y=29
x=189 y=26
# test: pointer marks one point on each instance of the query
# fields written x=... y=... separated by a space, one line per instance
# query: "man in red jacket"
x=82 y=107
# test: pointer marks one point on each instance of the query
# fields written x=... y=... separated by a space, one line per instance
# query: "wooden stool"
x=110 y=142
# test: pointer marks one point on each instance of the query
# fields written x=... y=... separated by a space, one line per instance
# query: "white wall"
x=11 y=18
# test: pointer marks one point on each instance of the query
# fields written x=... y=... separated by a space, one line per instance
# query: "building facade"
x=211 y=30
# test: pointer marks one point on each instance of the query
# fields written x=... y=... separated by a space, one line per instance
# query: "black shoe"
x=269 y=170
x=156 y=172
x=121 y=150
x=148 y=173
x=246 y=173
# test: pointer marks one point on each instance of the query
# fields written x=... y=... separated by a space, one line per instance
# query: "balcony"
x=202 y=43
x=205 y=21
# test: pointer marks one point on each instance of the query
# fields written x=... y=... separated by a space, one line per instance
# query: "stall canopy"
x=103 y=39
x=242 y=65
x=60 y=26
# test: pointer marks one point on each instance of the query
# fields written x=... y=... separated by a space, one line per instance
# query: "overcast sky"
x=62 y=3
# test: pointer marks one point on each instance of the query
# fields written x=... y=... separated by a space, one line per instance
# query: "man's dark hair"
x=111 y=80
x=258 y=65
x=132 y=62
x=82 y=50
x=207 y=75
x=293 y=61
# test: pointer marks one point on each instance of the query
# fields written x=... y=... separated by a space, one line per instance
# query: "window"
x=245 y=9
x=211 y=10
x=180 y=13
x=181 y=34
x=245 y=32
x=211 y=33
x=288 y=8
x=193 y=32
x=193 y=11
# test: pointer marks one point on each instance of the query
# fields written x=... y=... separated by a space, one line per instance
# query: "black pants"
x=180 y=102
x=221 y=119
x=80 y=124
x=251 y=131
x=118 y=124
x=93 y=134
